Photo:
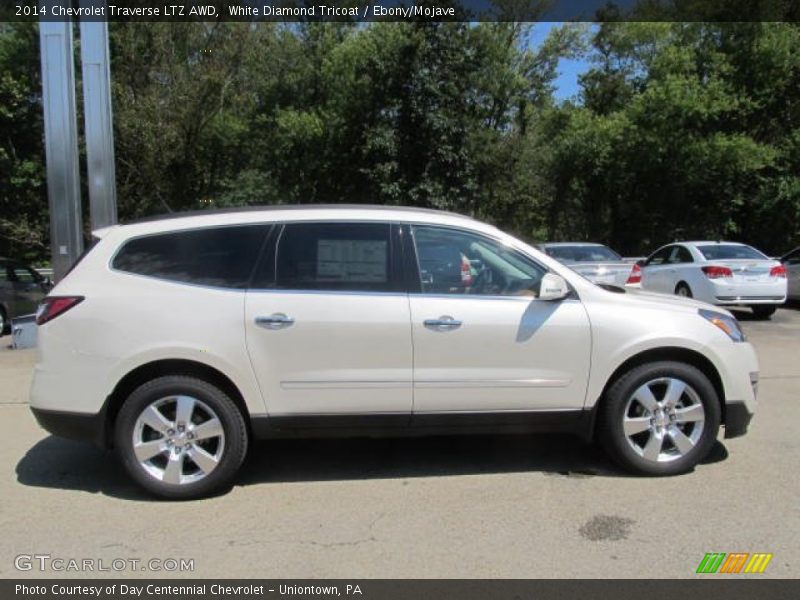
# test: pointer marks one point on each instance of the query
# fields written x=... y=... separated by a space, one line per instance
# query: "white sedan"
x=726 y=273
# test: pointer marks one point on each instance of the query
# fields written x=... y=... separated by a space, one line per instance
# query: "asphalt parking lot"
x=513 y=506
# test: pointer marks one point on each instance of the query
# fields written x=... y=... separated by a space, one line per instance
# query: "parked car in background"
x=723 y=273
x=791 y=261
x=598 y=263
x=21 y=290
x=355 y=321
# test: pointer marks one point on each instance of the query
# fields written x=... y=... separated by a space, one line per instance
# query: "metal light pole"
x=98 y=120
x=61 y=132
x=61 y=143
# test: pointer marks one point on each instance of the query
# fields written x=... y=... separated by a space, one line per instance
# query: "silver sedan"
x=598 y=263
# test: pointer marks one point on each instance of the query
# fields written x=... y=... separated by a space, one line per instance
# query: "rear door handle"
x=275 y=321
x=443 y=323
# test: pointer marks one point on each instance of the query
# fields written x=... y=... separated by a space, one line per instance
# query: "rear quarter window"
x=217 y=257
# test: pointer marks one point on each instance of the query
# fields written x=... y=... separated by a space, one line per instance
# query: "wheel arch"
x=161 y=368
x=671 y=353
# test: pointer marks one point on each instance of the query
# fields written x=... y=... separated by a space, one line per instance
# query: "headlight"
x=728 y=324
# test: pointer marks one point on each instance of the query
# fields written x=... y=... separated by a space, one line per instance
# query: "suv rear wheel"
x=660 y=418
x=181 y=437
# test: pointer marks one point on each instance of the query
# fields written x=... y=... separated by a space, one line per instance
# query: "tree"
x=23 y=195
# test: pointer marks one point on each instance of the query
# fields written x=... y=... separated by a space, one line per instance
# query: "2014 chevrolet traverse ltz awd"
x=178 y=341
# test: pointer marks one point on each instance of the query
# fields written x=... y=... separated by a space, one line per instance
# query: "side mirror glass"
x=553 y=287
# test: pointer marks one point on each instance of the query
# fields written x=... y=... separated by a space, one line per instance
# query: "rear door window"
x=355 y=257
x=217 y=257
x=660 y=257
x=682 y=255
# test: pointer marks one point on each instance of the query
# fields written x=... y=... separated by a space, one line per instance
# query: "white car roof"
x=710 y=243
x=285 y=213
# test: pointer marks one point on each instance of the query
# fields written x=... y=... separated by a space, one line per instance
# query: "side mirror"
x=553 y=287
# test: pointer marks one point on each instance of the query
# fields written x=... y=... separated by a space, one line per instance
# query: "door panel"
x=507 y=354
x=340 y=353
x=327 y=321
x=482 y=339
x=652 y=277
x=655 y=273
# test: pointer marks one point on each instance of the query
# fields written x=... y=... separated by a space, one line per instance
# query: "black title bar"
x=714 y=587
x=399 y=10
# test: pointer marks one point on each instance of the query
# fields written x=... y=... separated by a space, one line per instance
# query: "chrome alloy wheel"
x=178 y=440
x=663 y=419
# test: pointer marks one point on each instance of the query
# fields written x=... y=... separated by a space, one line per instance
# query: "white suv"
x=177 y=341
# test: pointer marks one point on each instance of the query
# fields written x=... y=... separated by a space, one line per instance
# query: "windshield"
x=582 y=253
x=729 y=252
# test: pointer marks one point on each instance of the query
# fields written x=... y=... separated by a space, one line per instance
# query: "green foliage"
x=23 y=198
x=680 y=130
x=699 y=121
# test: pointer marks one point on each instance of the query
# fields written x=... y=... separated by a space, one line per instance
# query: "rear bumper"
x=75 y=426
x=739 y=300
x=727 y=292
x=737 y=419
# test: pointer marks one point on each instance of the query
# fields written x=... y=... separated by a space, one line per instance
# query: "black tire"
x=229 y=415
x=763 y=311
x=683 y=289
x=614 y=405
x=5 y=323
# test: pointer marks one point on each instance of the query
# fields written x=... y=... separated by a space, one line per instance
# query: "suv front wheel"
x=181 y=437
x=660 y=418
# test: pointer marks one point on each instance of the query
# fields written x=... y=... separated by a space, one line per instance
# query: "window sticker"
x=352 y=260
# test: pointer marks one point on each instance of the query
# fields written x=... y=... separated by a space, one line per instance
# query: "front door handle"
x=275 y=321
x=443 y=323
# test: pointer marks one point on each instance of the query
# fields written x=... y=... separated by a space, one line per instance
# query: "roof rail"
x=271 y=207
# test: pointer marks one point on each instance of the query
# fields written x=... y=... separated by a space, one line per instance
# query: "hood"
x=674 y=302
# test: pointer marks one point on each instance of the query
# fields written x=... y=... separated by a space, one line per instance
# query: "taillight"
x=53 y=306
x=715 y=272
x=779 y=271
x=636 y=275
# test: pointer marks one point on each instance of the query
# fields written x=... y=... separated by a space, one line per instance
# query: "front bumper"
x=737 y=419
x=84 y=427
